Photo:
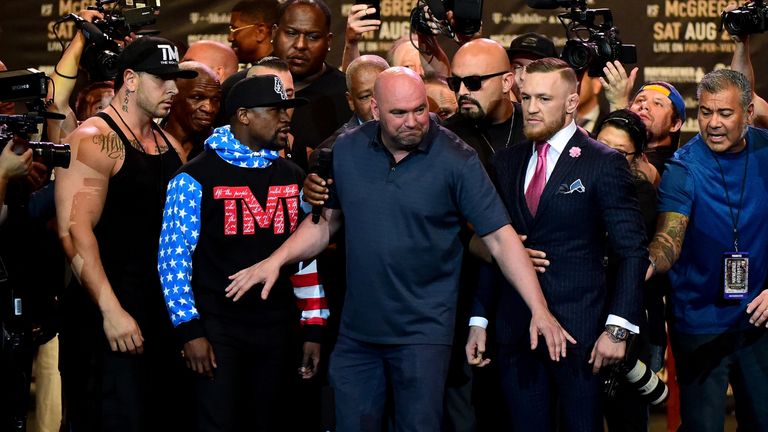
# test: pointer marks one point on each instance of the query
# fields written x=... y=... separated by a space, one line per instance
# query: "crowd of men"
x=464 y=244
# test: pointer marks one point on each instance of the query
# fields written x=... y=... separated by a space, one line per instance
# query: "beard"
x=478 y=114
x=546 y=130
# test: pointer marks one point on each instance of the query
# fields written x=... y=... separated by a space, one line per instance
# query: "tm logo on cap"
x=170 y=53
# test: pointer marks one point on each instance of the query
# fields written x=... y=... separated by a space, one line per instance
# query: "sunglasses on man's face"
x=472 y=83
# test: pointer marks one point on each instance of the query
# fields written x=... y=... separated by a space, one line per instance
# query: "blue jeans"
x=707 y=363
x=361 y=372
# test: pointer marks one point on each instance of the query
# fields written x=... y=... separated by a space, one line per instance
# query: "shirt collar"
x=561 y=138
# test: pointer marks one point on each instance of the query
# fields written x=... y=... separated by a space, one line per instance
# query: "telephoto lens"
x=642 y=378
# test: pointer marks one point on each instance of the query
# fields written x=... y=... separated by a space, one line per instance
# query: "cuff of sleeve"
x=478 y=322
x=621 y=322
x=189 y=330
x=305 y=206
x=313 y=333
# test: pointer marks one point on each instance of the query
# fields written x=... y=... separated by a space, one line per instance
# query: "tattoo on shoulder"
x=111 y=145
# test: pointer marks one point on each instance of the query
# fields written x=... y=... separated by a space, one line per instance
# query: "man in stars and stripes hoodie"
x=230 y=207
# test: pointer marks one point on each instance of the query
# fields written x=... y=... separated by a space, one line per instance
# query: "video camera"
x=593 y=40
x=748 y=19
x=30 y=85
x=101 y=36
x=429 y=17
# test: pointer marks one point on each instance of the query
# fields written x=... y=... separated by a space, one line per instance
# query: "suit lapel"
x=564 y=165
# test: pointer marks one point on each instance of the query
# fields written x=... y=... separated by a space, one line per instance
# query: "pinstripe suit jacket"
x=585 y=198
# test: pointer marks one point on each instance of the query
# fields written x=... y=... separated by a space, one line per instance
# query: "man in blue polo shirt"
x=405 y=186
x=713 y=207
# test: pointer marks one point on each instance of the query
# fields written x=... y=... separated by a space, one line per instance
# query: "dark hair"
x=629 y=122
x=551 y=64
x=274 y=63
x=265 y=11
x=81 y=105
x=320 y=4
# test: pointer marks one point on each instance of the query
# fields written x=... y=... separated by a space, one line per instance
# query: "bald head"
x=221 y=58
x=400 y=104
x=483 y=55
x=491 y=100
x=198 y=101
x=361 y=76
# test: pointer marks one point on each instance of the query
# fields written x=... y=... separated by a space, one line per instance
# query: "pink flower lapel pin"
x=575 y=152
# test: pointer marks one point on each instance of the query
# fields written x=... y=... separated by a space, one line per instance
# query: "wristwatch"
x=616 y=333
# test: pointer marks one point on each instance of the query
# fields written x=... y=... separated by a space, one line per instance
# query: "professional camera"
x=747 y=19
x=31 y=86
x=593 y=40
x=637 y=375
x=429 y=17
x=101 y=36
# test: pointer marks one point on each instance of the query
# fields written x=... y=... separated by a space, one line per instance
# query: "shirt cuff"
x=305 y=206
x=478 y=322
x=621 y=322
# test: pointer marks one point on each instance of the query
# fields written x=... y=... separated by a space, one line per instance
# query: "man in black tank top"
x=121 y=367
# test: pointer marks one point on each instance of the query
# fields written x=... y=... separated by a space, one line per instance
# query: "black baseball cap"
x=532 y=45
x=153 y=55
x=260 y=91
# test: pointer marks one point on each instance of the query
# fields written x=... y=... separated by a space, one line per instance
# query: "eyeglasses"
x=233 y=30
x=472 y=83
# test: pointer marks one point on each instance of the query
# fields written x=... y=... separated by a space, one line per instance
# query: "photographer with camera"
x=120 y=360
x=30 y=278
x=711 y=224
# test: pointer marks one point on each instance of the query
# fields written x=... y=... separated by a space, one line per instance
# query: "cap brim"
x=534 y=55
x=291 y=103
x=173 y=72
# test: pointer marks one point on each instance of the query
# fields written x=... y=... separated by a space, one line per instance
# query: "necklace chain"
x=138 y=143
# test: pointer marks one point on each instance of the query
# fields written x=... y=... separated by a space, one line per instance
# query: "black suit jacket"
x=590 y=193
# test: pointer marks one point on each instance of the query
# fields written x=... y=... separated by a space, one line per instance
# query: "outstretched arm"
x=307 y=242
x=514 y=262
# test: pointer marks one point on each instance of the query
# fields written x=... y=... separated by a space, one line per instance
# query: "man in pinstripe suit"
x=563 y=191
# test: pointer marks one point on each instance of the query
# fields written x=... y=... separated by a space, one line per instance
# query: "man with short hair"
x=302 y=38
x=658 y=103
x=120 y=362
x=250 y=27
x=403 y=255
x=712 y=207
x=524 y=49
x=564 y=191
x=194 y=109
x=242 y=352
x=219 y=57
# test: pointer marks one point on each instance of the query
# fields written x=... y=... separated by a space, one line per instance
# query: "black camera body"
x=748 y=19
x=22 y=125
x=99 y=56
x=429 y=17
x=31 y=86
x=593 y=40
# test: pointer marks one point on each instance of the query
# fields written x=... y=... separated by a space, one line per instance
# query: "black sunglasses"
x=472 y=83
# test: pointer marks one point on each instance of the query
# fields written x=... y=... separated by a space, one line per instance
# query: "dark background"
x=677 y=41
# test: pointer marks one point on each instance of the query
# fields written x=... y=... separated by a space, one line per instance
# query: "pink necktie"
x=539 y=179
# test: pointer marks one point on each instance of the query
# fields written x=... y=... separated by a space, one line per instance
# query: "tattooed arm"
x=667 y=243
x=81 y=191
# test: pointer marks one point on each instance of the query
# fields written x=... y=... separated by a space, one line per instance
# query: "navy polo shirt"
x=402 y=225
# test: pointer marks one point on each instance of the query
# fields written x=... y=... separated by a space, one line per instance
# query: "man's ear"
x=676 y=126
x=349 y=102
x=507 y=81
x=375 y=109
x=131 y=79
x=750 y=113
x=242 y=116
x=572 y=103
